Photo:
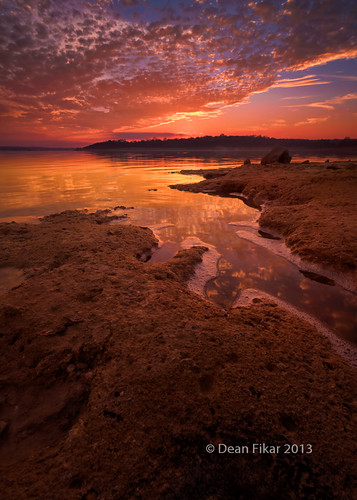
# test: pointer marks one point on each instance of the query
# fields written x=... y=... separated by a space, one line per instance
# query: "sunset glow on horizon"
x=81 y=71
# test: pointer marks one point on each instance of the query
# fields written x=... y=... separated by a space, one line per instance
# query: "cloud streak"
x=300 y=82
x=312 y=121
x=327 y=104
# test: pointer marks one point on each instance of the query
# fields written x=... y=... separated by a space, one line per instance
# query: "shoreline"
x=345 y=349
x=106 y=361
x=275 y=244
x=312 y=206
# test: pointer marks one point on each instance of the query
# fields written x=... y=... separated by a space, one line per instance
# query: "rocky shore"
x=313 y=206
x=115 y=377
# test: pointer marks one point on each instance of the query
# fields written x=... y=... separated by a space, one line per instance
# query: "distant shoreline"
x=226 y=142
x=206 y=143
x=350 y=152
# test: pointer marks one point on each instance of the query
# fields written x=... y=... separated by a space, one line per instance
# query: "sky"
x=76 y=72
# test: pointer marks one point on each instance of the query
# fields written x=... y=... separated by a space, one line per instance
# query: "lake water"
x=33 y=184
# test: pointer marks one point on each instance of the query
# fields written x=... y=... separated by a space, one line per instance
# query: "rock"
x=103 y=212
x=276 y=155
x=317 y=277
x=269 y=236
x=306 y=161
x=247 y=161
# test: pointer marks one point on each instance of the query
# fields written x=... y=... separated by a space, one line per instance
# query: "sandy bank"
x=114 y=378
x=312 y=205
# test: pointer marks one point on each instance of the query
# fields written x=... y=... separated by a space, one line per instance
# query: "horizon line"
x=171 y=139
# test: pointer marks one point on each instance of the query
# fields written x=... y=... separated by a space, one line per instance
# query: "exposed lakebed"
x=37 y=184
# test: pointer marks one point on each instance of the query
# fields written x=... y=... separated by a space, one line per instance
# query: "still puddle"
x=244 y=264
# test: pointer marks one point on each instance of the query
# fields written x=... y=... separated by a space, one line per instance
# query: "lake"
x=33 y=184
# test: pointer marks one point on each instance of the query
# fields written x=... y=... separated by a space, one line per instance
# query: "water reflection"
x=33 y=184
x=255 y=267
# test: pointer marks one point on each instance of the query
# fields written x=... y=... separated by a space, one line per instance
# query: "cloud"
x=141 y=64
x=342 y=77
x=311 y=105
x=101 y=109
x=312 y=121
x=343 y=98
x=300 y=82
x=293 y=98
x=137 y=135
x=328 y=104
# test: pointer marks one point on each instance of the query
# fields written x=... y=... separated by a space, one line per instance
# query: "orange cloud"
x=300 y=82
x=312 y=121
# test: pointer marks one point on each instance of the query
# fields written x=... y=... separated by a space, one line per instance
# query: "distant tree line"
x=224 y=141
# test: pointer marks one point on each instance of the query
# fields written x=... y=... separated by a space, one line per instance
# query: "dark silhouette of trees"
x=224 y=141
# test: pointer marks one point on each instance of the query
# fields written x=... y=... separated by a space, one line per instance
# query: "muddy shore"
x=313 y=206
x=115 y=377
